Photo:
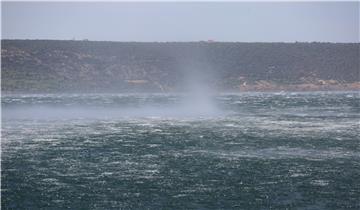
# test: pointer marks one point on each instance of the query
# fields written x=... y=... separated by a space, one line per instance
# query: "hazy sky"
x=236 y=21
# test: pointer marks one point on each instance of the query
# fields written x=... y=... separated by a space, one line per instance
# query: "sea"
x=275 y=150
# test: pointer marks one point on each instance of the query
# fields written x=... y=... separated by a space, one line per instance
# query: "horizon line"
x=192 y=41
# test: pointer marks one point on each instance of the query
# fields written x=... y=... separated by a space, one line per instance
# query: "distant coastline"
x=51 y=66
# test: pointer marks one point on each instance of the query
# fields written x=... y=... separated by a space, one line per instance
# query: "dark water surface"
x=249 y=151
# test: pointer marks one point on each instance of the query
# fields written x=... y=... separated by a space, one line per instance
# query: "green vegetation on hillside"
x=86 y=66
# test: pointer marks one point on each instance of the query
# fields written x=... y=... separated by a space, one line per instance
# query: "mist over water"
x=198 y=99
x=194 y=104
x=199 y=95
x=184 y=110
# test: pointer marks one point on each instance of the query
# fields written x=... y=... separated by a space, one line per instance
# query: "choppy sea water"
x=246 y=151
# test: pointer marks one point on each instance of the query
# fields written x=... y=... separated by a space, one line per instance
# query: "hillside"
x=87 y=66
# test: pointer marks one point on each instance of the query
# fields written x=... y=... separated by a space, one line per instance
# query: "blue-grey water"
x=157 y=151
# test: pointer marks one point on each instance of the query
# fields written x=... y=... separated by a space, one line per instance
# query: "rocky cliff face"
x=84 y=66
